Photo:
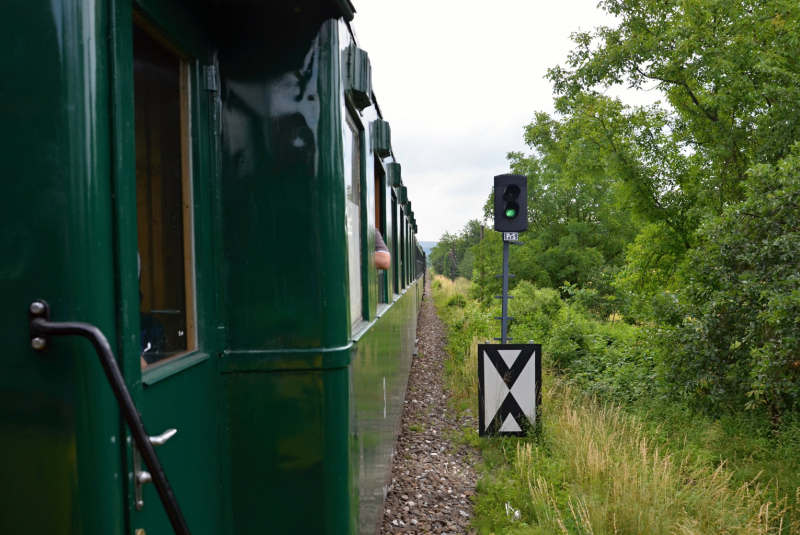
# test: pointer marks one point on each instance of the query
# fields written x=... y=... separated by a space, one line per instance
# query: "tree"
x=739 y=344
x=729 y=73
x=451 y=256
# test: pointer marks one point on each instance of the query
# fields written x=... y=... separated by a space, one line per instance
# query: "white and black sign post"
x=509 y=375
x=509 y=388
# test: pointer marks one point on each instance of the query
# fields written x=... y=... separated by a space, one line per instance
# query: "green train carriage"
x=201 y=181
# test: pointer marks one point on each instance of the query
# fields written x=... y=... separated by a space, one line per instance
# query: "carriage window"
x=380 y=189
x=402 y=245
x=395 y=239
x=352 y=184
x=163 y=201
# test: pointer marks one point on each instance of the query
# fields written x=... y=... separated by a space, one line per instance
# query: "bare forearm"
x=383 y=260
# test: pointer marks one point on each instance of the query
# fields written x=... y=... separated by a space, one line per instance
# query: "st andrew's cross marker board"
x=509 y=388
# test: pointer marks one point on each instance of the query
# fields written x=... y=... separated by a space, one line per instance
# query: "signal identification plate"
x=510 y=236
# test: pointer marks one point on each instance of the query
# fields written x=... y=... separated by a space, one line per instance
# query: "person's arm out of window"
x=383 y=260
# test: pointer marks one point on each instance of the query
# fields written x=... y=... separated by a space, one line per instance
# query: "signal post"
x=509 y=375
x=510 y=218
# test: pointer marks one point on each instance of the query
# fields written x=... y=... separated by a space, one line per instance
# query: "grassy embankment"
x=612 y=455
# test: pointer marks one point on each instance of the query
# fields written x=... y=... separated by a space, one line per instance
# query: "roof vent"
x=358 y=81
x=382 y=138
x=393 y=172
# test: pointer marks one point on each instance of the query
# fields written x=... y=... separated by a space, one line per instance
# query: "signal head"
x=510 y=203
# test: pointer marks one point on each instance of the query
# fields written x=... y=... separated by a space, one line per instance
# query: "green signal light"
x=511 y=213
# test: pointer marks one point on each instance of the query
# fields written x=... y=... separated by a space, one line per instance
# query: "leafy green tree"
x=729 y=73
x=451 y=256
x=626 y=162
x=728 y=69
x=577 y=226
x=740 y=342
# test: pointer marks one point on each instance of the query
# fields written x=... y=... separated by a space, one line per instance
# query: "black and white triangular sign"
x=509 y=388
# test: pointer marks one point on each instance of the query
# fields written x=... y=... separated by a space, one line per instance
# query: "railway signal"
x=510 y=203
x=510 y=218
x=509 y=375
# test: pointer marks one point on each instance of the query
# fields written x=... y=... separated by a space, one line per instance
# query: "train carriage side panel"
x=380 y=376
x=60 y=446
x=285 y=385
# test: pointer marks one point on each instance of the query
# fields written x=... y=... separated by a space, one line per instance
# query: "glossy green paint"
x=285 y=378
x=182 y=393
x=280 y=411
x=283 y=204
x=380 y=370
x=60 y=451
x=298 y=394
x=289 y=442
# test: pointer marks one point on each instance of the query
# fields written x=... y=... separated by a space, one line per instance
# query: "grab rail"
x=41 y=327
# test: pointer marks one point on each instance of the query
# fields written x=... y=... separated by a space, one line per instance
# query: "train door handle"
x=160 y=440
x=41 y=329
x=142 y=477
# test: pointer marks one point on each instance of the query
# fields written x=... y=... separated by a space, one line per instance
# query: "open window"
x=395 y=240
x=380 y=225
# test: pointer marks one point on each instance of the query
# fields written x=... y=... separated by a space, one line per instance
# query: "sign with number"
x=509 y=388
x=510 y=236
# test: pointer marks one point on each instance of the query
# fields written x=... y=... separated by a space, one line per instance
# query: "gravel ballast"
x=432 y=477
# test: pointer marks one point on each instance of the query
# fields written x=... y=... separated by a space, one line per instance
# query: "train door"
x=167 y=274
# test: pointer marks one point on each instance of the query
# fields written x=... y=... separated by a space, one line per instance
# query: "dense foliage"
x=741 y=334
x=610 y=456
x=680 y=217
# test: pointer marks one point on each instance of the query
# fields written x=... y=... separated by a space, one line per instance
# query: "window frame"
x=187 y=137
x=395 y=255
x=202 y=112
x=353 y=125
x=379 y=182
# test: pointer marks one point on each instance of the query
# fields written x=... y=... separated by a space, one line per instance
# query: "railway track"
x=432 y=477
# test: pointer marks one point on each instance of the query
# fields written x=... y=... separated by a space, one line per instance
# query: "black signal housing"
x=510 y=203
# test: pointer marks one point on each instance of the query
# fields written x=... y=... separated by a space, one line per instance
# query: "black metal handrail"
x=41 y=327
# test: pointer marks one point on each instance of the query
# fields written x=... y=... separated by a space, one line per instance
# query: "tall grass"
x=593 y=470
x=594 y=467
x=622 y=483
x=467 y=327
x=447 y=289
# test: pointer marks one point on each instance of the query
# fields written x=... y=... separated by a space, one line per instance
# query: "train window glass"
x=380 y=188
x=402 y=247
x=352 y=184
x=163 y=201
x=409 y=260
x=395 y=258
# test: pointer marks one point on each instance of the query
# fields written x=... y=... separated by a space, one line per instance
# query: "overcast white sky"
x=458 y=80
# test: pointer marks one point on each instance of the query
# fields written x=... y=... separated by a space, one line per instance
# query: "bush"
x=738 y=345
x=533 y=310
x=457 y=301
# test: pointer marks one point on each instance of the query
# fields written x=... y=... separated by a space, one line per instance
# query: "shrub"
x=739 y=344
x=457 y=301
